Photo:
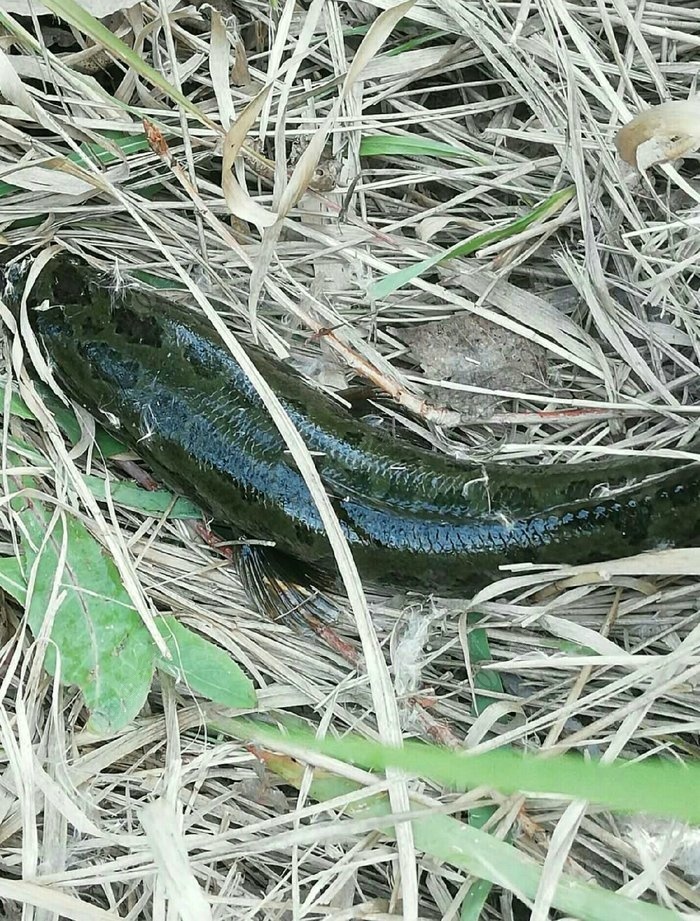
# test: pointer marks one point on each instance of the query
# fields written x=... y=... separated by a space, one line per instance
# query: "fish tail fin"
x=283 y=588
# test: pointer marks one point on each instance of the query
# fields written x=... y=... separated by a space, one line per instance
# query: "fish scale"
x=415 y=519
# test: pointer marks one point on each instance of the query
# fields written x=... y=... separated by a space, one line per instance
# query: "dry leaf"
x=220 y=48
x=660 y=134
x=12 y=88
x=429 y=226
x=165 y=837
x=240 y=72
x=412 y=61
x=674 y=562
x=238 y=201
x=41 y=179
x=378 y=32
x=98 y=8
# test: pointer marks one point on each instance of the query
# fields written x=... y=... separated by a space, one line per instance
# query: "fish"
x=156 y=373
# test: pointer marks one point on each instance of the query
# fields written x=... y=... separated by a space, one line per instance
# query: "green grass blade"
x=500 y=863
x=475 y=899
x=413 y=43
x=447 y=839
x=396 y=280
x=17 y=405
x=663 y=788
x=127 y=143
x=65 y=419
x=157 y=281
x=386 y=145
x=69 y=425
x=479 y=652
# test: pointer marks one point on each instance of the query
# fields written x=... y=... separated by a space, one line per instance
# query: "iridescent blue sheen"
x=414 y=518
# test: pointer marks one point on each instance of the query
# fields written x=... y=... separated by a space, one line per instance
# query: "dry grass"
x=606 y=285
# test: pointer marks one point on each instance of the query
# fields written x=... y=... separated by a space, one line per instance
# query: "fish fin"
x=358 y=396
x=283 y=588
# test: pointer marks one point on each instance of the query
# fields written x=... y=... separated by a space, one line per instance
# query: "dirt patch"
x=470 y=350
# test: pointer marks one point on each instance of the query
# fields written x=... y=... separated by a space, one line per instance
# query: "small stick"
x=333 y=640
x=436 y=729
x=214 y=541
x=142 y=477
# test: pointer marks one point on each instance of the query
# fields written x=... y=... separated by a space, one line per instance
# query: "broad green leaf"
x=384 y=145
x=396 y=280
x=151 y=502
x=13 y=578
x=105 y=648
x=204 y=667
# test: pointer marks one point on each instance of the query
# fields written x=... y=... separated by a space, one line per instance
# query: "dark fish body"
x=160 y=377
